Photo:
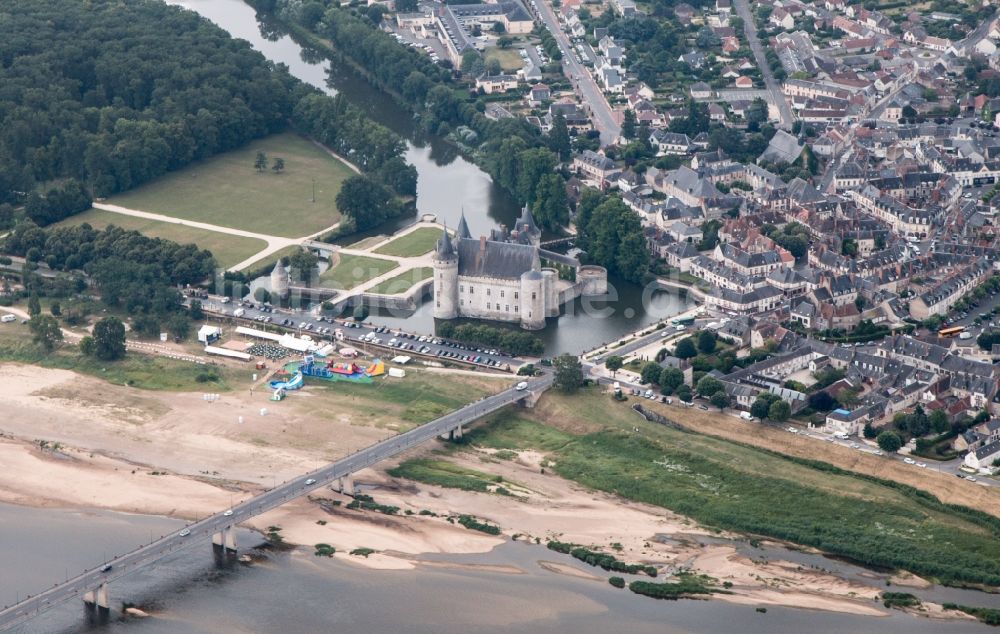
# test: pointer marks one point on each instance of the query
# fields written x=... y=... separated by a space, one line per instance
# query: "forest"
x=102 y=96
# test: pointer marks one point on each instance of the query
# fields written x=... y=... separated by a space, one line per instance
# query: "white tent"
x=209 y=333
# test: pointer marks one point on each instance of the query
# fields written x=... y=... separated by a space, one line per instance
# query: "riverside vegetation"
x=590 y=439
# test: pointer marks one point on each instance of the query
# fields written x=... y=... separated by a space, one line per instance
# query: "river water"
x=296 y=592
x=447 y=185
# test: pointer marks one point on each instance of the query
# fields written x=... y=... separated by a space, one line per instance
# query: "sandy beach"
x=73 y=441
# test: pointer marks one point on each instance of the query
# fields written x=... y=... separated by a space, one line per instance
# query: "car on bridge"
x=185 y=532
x=520 y=387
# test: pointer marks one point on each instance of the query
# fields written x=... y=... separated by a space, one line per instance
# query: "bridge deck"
x=153 y=552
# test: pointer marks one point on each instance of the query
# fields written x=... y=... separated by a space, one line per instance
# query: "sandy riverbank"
x=113 y=439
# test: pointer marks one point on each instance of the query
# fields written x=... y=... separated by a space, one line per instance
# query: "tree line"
x=102 y=96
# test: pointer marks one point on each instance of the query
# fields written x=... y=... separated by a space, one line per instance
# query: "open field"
x=508 y=58
x=590 y=439
x=352 y=270
x=226 y=190
x=417 y=242
x=404 y=281
x=135 y=370
x=227 y=249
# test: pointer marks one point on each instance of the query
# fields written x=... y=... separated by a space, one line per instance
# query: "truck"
x=239 y=312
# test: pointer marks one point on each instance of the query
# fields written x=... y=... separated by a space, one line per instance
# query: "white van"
x=841 y=435
x=746 y=416
x=6 y=319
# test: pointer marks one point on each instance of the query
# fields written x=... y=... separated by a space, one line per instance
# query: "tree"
x=939 y=421
x=498 y=28
x=706 y=342
x=684 y=393
x=709 y=385
x=614 y=363
x=34 y=306
x=672 y=378
x=779 y=411
x=493 y=66
x=366 y=202
x=889 y=441
x=406 y=6
x=551 y=203
x=569 y=373
x=45 y=331
x=55 y=309
x=759 y=408
x=650 y=372
x=109 y=339
x=279 y=165
x=849 y=247
x=869 y=431
x=629 y=125
x=196 y=310
x=720 y=399
x=685 y=349
x=505 y=41
x=262 y=295
x=821 y=401
x=179 y=326
x=87 y=346
x=260 y=163
x=558 y=138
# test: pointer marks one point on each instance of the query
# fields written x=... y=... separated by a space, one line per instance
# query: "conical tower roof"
x=463 y=228
x=527 y=221
x=445 y=249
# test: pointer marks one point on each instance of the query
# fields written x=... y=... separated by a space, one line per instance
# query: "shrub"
x=617 y=582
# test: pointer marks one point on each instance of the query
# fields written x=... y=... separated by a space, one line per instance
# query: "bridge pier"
x=530 y=399
x=96 y=603
x=225 y=540
x=345 y=485
x=453 y=435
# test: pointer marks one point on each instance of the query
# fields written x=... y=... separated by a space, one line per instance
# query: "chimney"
x=482 y=244
x=503 y=230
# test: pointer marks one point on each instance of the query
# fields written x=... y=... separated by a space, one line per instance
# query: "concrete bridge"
x=92 y=586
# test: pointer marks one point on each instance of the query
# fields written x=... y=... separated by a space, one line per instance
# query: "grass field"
x=226 y=190
x=268 y=261
x=228 y=250
x=732 y=486
x=352 y=270
x=448 y=474
x=509 y=58
x=136 y=370
x=417 y=242
x=404 y=281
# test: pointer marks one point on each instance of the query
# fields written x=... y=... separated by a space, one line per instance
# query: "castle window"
x=487 y=292
x=471 y=290
x=507 y=308
x=501 y=294
x=533 y=295
x=461 y=288
x=461 y=302
x=517 y=308
x=487 y=305
x=438 y=304
x=515 y=294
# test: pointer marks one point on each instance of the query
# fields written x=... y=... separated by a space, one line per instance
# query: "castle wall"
x=498 y=299
x=533 y=301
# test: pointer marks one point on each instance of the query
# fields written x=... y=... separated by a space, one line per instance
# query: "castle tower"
x=551 y=288
x=279 y=281
x=463 y=228
x=527 y=231
x=445 y=261
x=533 y=298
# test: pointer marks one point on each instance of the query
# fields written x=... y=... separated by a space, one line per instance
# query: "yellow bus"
x=950 y=332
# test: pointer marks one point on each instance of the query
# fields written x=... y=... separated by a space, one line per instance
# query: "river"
x=296 y=592
x=447 y=185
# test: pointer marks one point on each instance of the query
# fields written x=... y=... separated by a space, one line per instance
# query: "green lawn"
x=417 y=242
x=267 y=262
x=352 y=270
x=592 y=440
x=509 y=58
x=226 y=190
x=228 y=250
x=141 y=371
x=403 y=282
x=448 y=474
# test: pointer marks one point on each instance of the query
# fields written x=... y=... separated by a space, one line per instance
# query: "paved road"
x=586 y=87
x=750 y=27
x=199 y=531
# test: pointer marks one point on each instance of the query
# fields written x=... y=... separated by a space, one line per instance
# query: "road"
x=750 y=28
x=198 y=532
x=588 y=90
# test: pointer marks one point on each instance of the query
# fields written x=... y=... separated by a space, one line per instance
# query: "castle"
x=501 y=277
